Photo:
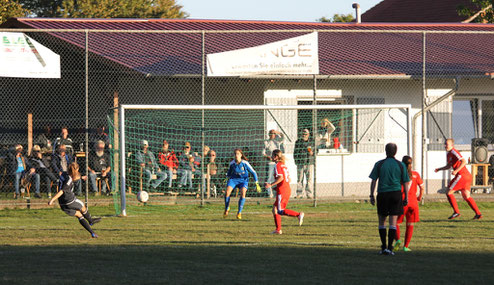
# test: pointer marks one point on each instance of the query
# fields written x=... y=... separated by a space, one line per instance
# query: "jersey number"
x=286 y=176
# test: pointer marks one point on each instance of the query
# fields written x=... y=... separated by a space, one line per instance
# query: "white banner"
x=297 y=55
x=21 y=56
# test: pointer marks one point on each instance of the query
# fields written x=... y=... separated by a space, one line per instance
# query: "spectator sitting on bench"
x=21 y=169
x=151 y=173
x=198 y=174
x=42 y=168
x=213 y=170
x=99 y=167
x=186 y=166
x=168 y=160
x=60 y=162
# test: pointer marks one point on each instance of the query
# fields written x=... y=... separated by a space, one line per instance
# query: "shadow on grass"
x=251 y=244
x=234 y=262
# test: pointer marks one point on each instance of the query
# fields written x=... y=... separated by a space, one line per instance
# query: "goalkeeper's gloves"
x=405 y=202
x=258 y=187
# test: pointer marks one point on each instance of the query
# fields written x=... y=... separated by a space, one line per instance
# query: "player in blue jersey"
x=238 y=177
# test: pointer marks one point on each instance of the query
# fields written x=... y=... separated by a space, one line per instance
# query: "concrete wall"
x=348 y=174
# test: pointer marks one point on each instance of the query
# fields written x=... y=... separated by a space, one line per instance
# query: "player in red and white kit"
x=411 y=210
x=283 y=192
x=461 y=181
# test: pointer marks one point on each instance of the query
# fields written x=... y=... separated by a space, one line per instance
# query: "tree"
x=10 y=9
x=104 y=8
x=338 y=18
x=121 y=9
x=482 y=13
x=43 y=8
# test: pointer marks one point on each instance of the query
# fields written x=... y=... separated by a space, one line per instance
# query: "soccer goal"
x=183 y=152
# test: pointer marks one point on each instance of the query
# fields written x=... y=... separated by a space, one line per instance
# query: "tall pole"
x=422 y=162
x=314 y=133
x=87 y=113
x=122 y=161
x=203 y=78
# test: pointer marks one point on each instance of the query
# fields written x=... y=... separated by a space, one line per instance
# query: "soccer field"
x=337 y=244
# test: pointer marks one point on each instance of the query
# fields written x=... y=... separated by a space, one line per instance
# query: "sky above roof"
x=271 y=10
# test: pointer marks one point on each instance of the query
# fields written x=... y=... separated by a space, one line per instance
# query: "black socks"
x=85 y=224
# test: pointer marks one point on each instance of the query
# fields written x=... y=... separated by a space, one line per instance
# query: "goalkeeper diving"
x=238 y=177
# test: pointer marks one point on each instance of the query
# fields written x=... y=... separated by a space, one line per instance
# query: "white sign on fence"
x=297 y=55
x=21 y=56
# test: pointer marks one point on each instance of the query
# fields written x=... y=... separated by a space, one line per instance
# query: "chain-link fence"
x=446 y=74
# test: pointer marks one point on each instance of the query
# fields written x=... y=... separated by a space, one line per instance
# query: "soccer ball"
x=142 y=196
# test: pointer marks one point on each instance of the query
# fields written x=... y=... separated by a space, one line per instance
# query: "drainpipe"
x=356 y=6
x=425 y=110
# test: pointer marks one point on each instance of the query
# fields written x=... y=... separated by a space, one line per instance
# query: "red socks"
x=290 y=213
x=452 y=202
x=286 y=212
x=470 y=201
x=397 y=232
x=277 y=222
x=473 y=205
x=408 y=235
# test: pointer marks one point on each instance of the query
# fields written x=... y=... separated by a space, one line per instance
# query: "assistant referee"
x=391 y=175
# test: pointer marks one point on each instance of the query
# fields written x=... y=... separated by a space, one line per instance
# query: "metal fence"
x=445 y=74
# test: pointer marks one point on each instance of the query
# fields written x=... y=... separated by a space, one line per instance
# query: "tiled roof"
x=340 y=53
x=407 y=11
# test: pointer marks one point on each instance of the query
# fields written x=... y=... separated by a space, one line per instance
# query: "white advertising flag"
x=297 y=55
x=21 y=56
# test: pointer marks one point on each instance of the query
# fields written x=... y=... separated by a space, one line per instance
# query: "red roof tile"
x=340 y=53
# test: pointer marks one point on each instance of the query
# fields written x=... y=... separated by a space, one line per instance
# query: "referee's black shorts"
x=389 y=203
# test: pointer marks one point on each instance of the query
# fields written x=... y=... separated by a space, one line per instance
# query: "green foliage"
x=11 y=9
x=43 y=8
x=122 y=9
x=338 y=18
x=486 y=16
x=104 y=8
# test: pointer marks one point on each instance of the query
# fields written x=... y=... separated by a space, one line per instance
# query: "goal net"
x=178 y=153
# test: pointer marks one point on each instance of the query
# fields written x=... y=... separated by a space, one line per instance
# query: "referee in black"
x=391 y=174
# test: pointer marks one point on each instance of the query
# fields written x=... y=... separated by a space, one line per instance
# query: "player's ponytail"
x=407 y=160
x=74 y=171
x=278 y=153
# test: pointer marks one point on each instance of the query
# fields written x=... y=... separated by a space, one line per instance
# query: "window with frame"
x=341 y=119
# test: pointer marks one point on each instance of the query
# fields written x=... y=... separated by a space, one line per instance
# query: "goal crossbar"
x=260 y=107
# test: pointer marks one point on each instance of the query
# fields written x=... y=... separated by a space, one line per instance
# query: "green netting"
x=222 y=133
x=214 y=134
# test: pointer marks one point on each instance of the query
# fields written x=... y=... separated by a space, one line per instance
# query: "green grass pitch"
x=188 y=244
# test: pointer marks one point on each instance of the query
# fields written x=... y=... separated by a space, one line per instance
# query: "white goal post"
x=363 y=129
